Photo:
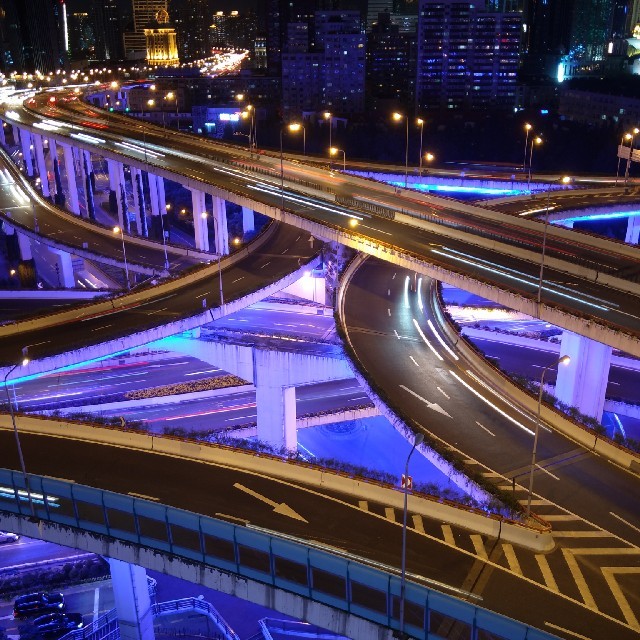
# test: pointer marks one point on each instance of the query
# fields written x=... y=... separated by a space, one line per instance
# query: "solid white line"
x=419 y=330
x=571 y=633
x=388 y=292
x=615 y=515
x=443 y=393
x=414 y=362
x=485 y=428
x=547 y=472
x=397 y=336
x=441 y=341
x=389 y=312
x=141 y=495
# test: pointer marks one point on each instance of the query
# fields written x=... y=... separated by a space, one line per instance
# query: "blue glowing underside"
x=457 y=189
x=602 y=216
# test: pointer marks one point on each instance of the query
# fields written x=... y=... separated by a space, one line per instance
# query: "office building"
x=144 y=12
x=194 y=29
x=468 y=55
x=108 y=30
x=82 y=40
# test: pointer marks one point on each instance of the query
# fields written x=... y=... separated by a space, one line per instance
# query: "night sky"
x=216 y=5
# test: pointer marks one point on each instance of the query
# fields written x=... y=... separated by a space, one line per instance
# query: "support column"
x=138 y=199
x=633 y=230
x=220 y=228
x=25 y=247
x=16 y=135
x=3 y=139
x=25 y=139
x=70 y=170
x=85 y=163
x=276 y=409
x=64 y=269
x=114 y=188
x=583 y=382
x=42 y=165
x=59 y=197
x=162 y=200
x=153 y=194
x=131 y=592
x=248 y=220
x=200 y=221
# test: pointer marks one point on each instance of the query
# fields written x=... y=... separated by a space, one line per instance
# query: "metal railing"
x=337 y=581
x=198 y=605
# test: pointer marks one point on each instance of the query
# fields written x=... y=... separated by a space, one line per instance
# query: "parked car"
x=57 y=624
x=6 y=536
x=35 y=604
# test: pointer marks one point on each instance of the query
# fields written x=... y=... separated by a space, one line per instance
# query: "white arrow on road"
x=432 y=405
x=282 y=508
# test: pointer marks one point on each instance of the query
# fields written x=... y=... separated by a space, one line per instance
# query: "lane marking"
x=237 y=279
x=560 y=518
x=571 y=633
x=485 y=428
x=228 y=517
x=426 y=341
x=581 y=534
x=390 y=514
x=627 y=611
x=578 y=578
x=447 y=532
x=547 y=576
x=414 y=361
x=555 y=477
x=389 y=312
x=443 y=393
x=431 y=405
x=478 y=545
x=265 y=264
x=397 y=336
x=418 y=525
x=512 y=559
x=615 y=515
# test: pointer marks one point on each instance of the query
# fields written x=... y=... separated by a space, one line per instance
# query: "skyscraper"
x=195 y=22
x=108 y=29
x=468 y=55
x=144 y=12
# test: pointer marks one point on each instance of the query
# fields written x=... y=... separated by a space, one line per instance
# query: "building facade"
x=161 y=42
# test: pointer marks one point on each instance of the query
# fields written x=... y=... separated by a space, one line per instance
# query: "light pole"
x=333 y=151
x=633 y=134
x=560 y=360
x=327 y=115
x=24 y=362
x=119 y=230
x=295 y=127
x=169 y=96
x=420 y=122
x=281 y=175
x=527 y=128
x=626 y=136
x=429 y=157
x=419 y=439
x=397 y=117
x=534 y=141
x=150 y=103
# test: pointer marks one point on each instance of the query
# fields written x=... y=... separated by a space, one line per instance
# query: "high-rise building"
x=633 y=15
x=108 y=29
x=391 y=64
x=468 y=55
x=160 y=36
x=194 y=29
x=11 y=43
x=144 y=12
x=82 y=40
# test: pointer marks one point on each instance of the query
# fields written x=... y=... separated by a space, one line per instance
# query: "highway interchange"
x=378 y=314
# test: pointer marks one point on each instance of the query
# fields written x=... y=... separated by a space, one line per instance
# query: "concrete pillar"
x=162 y=200
x=25 y=139
x=114 y=187
x=16 y=135
x=64 y=269
x=59 y=197
x=70 y=170
x=123 y=211
x=138 y=199
x=248 y=220
x=633 y=230
x=220 y=228
x=199 y=220
x=25 y=247
x=583 y=382
x=87 y=172
x=153 y=194
x=133 y=604
x=3 y=139
x=42 y=165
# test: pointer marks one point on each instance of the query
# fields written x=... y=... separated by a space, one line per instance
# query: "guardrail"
x=195 y=604
x=333 y=580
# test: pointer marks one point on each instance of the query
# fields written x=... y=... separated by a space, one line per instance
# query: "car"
x=35 y=604
x=57 y=624
x=7 y=536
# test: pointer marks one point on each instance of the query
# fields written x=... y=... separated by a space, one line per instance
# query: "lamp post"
x=534 y=141
x=169 y=96
x=420 y=122
x=626 y=136
x=333 y=151
x=150 y=103
x=561 y=360
x=397 y=117
x=118 y=230
x=527 y=128
x=429 y=157
x=419 y=439
x=24 y=362
x=295 y=127
x=281 y=175
x=327 y=115
x=633 y=134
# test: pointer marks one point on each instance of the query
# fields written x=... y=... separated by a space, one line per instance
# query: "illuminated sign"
x=229 y=117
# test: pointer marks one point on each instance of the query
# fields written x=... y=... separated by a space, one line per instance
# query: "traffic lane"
x=424 y=391
x=624 y=318
x=27 y=551
x=224 y=412
x=16 y=309
x=280 y=255
x=623 y=383
x=111 y=376
x=216 y=492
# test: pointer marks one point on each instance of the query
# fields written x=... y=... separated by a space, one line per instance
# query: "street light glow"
x=397 y=116
x=295 y=126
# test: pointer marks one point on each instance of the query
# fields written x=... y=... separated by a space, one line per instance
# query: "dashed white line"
x=414 y=361
x=388 y=292
x=389 y=312
x=555 y=477
x=443 y=393
x=397 y=335
x=485 y=428
x=615 y=515
x=237 y=279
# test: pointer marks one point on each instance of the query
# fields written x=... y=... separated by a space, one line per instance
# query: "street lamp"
x=333 y=151
x=534 y=141
x=397 y=117
x=633 y=134
x=429 y=157
x=327 y=115
x=419 y=439
x=168 y=96
x=626 y=136
x=561 y=360
x=420 y=122
x=527 y=128
x=24 y=362
x=118 y=230
x=295 y=127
